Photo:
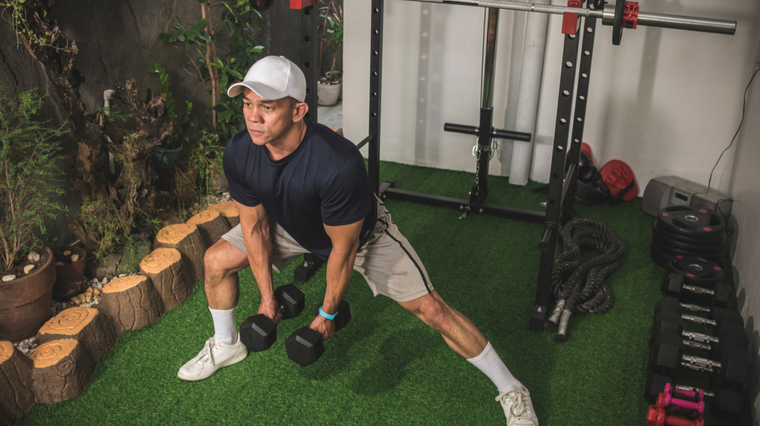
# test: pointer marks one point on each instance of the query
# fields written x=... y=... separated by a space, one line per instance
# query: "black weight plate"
x=716 y=256
x=691 y=222
x=659 y=257
x=665 y=243
x=696 y=271
x=617 y=22
x=688 y=240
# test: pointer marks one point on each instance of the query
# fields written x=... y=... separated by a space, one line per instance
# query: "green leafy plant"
x=14 y=12
x=212 y=67
x=205 y=156
x=331 y=37
x=101 y=218
x=29 y=150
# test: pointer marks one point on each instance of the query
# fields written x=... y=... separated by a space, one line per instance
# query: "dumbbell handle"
x=697 y=345
x=699 y=364
x=700 y=338
x=698 y=320
x=698 y=290
x=693 y=307
x=670 y=400
x=685 y=388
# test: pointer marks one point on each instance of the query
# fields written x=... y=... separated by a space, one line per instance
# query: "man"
x=300 y=187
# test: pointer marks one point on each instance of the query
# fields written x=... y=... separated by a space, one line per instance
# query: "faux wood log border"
x=62 y=365
x=188 y=241
x=229 y=211
x=211 y=224
x=166 y=270
x=16 y=393
x=92 y=328
x=62 y=369
x=132 y=302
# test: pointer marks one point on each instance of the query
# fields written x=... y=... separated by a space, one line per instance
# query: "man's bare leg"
x=466 y=339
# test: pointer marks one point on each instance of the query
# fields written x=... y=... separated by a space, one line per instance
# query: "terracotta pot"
x=68 y=278
x=25 y=302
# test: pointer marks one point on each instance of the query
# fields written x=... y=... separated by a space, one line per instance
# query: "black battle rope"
x=579 y=286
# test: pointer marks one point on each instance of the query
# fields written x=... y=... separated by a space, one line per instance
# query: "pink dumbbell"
x=669 y=399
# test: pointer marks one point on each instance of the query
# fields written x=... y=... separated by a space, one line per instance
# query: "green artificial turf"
x=386 y=367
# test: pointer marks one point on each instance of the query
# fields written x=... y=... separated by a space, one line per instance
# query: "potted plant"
x=329 y=86
x=28 y=158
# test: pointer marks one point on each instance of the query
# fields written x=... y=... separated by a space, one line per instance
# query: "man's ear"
x=299 y=111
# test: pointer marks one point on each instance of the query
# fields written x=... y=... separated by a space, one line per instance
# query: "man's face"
x=266 y=120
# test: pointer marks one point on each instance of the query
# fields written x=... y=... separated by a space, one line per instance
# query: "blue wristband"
x=325 y=315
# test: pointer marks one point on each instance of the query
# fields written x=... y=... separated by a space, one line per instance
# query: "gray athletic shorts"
x=387 y=261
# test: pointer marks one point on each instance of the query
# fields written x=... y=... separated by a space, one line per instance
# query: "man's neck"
x=287 y=143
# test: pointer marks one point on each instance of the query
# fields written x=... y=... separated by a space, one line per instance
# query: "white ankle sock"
x=224 y=325
x=490 y=364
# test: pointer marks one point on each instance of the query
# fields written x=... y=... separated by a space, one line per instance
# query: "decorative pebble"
x=66 y=253
x=74 y=257
x=59 y=263
x=28 y=268
x=9 y=277
x=33 y=256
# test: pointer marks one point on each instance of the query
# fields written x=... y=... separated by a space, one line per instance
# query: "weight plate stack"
x=688 y=232
x=696 y=271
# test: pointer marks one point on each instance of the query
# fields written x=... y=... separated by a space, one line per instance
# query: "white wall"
x=666 y=101
x=745 y=190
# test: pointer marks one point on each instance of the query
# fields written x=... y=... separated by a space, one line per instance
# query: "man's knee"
x=432 y=310
x=222 y=259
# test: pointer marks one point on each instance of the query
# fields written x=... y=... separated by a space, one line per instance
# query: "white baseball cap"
x=273 y=77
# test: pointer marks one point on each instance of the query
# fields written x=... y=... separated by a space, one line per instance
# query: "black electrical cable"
x=579 y=286
x=744 y=108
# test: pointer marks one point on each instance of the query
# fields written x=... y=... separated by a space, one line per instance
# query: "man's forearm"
x=259 y=251
x=339 y=270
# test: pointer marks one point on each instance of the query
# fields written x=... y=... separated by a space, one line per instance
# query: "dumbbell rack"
x=565 y=154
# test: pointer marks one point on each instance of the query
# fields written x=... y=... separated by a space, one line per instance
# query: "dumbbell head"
x=343 y=316
x=673 y=283
x=258 y=332
x=304 y=346
x=666 y=354
x=734 y=372
x=668 y=304
x=291 y=299
x=727 y=404
x=666 y=322
x=730 y=335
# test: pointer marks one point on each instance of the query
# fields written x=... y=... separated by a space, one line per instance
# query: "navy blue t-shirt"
x=323 y=182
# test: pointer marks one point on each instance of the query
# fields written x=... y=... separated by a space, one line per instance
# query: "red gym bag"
x=619 y=178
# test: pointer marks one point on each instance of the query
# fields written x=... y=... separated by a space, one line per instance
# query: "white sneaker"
x=518 y=408
x=214 y=356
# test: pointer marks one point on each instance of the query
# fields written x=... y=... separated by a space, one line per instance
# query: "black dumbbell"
x=674 y=286
x=728 y=376
x=259 y=332
x=305 y=345
x=718 y=314
x=728 y=328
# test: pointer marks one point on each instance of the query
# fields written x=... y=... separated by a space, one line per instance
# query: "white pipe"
x=108 y=95
x=527 y=101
